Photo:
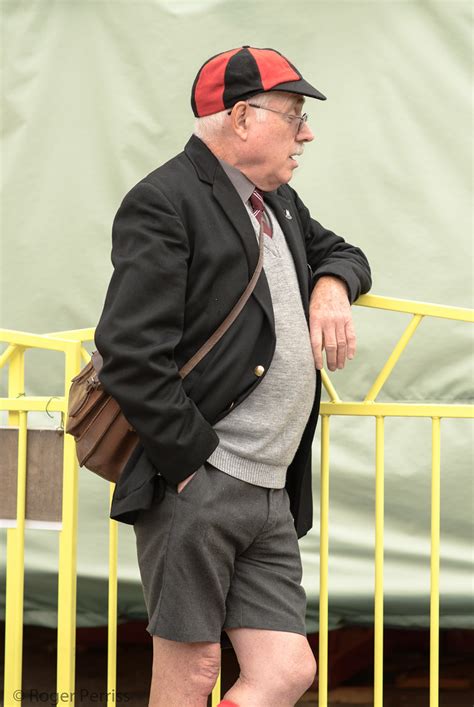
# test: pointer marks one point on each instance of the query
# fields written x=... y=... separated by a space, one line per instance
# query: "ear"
x=240 y=119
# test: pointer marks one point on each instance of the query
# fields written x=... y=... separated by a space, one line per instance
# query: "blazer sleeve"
x=140 y=326
x=329 y=254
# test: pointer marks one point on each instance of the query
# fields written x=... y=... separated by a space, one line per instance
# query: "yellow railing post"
x=323 y=565
x=112 y=609
x=435 y=536
x=216 y=692
x=66 y=658
x=379 y=554
x=16 y=545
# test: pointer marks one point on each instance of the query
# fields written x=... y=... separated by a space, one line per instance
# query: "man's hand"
x=330 y=323
x=185 y=481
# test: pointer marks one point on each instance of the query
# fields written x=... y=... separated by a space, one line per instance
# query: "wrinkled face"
x=273 y=146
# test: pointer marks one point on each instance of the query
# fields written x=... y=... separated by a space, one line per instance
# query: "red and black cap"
x=239 y=73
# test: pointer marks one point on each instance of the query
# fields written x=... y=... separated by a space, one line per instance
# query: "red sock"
x=227 y=703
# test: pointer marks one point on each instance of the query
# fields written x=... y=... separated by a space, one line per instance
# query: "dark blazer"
x=183 y=251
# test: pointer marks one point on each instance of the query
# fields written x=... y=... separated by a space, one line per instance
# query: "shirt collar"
x=243 y=186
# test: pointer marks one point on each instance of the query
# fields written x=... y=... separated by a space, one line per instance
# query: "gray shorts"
x=221 y=554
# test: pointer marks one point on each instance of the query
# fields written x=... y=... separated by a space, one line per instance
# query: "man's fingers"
x=184 y=482
x=331 y=356
x=351 y=339
x=330 y=346
x=337 y=337
x=317 y=346
x=341 y=345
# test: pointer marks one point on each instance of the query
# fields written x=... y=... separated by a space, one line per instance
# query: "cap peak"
x=236 y=75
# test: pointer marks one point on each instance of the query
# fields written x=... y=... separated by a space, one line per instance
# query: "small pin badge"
x=288 y=215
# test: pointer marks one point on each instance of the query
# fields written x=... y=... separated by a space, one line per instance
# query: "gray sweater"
x=258 y=439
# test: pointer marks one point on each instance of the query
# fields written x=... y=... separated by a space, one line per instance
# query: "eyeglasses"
x=291 y=116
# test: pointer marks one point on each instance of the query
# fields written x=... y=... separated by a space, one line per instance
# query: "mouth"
x=294 y=156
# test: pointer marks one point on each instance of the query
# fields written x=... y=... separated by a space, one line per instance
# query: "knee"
x=184 y=670
x=298 y=676
x=204 y=671
x=308 y=671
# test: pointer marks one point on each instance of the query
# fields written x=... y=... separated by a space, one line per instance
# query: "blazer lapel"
x=209 y=170
x=234 y=209
x=285 y=213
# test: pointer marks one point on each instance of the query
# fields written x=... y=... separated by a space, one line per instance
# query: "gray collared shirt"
x=244 y=188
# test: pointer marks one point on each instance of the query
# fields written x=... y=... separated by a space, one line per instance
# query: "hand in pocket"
x=183 y=483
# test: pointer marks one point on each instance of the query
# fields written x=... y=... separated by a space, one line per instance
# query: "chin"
x=287 y=178
x=284 y=179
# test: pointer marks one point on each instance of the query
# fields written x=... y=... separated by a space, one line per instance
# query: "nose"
x=305 y=134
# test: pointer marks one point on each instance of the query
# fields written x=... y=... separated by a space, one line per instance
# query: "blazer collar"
x=202 y=158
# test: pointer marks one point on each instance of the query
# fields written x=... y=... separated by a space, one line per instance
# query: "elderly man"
x=219 y=488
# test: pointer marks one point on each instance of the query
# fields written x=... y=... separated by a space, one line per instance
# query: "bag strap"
x=231 y=317
x=222 y=328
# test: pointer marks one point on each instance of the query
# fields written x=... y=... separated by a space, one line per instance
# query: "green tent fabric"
x=97 y=94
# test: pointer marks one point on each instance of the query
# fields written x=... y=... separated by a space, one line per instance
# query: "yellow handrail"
x=71 y=343
x=369 y=407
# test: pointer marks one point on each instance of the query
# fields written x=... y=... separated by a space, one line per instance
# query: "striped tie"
x=256 y=202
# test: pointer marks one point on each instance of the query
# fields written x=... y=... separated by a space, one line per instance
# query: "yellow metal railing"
x=71 y=344
x=369 y=407
x=18 y=405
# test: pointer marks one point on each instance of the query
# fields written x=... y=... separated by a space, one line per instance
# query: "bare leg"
x=183 y=673
x=276 y=667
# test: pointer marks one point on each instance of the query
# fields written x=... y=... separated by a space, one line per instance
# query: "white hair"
x=262 y=100
x=211 y=126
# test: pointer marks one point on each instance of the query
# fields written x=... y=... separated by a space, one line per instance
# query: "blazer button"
x=259 y=371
